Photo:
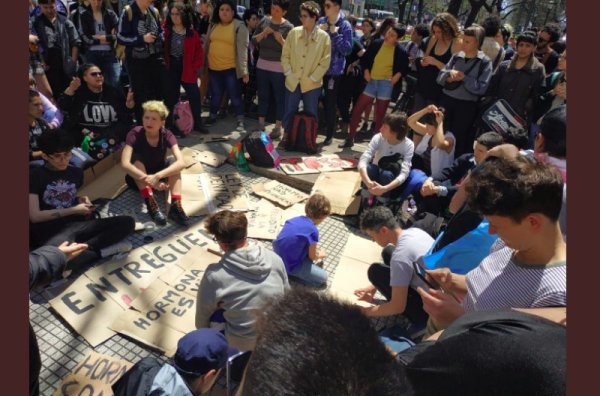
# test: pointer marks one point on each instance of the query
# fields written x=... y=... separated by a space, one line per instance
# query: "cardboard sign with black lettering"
x=279 y=193
x=93 y=376
x=340 y=188
x=210 y=192
x=265 y=221
x=103 y=293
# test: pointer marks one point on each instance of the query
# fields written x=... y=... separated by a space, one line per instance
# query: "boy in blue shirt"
x=297 y=243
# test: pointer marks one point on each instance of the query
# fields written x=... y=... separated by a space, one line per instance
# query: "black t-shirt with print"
x=35 y=131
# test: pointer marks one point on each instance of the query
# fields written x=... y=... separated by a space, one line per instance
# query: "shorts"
x=379 y=89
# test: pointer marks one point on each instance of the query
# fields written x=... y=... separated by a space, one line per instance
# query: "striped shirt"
x=502 y=282
x=177 y=44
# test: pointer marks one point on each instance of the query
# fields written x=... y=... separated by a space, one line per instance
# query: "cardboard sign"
x=279 y=193
x=295 y=166
x=340 y=188
x=96 y=298
x=94 y=375
x=351 y=272
x=210 y=158
x=265 y=221
x=110 y=184
x=208 y=193
x=166 y=310
x=191 y=162
x=293 y=211
x=329 y=163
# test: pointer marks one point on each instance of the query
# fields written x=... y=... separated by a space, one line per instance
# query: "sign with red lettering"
x=93 y=376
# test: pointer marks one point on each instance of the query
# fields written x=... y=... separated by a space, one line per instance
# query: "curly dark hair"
x=515 y=188
x=553 y=30
x=447 y=23
x=311 y=343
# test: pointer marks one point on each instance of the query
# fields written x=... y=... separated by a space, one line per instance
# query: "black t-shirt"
x=55 y=189
x=551 y=62
x=152 y=157
x=35 y=132
x=353 y=55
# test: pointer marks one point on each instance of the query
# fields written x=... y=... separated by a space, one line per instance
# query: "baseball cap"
x=200 y=351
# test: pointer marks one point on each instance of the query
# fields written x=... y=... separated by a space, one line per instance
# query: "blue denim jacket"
x=341 y=45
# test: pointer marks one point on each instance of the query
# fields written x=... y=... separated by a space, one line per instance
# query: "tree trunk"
x=454 y=7
x=410 y=7
x=420 y=11
x=475 y=7
x=401 y=9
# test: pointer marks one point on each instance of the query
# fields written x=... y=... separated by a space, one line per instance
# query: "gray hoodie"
x=241 y=283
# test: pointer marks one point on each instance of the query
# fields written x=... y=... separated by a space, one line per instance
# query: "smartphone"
x=234 y=370
x=421 y=273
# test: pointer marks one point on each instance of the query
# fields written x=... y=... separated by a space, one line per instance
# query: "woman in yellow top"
x=227 y=60
x=305 y=58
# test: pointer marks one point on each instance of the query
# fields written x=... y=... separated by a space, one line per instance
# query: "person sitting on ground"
x=46 y=264
x=336 y=351
x=521 y=198
x=384 y=64
x=51 y=114
x=247 y=276
x=57 y=214
x=434 y=147
x=395 y=278
x=193 y=370
x=436 y=192
x=297 y=243
x=145 y=160
x=491 y=353
x=37 y=125
x=98 y=115
x=385 y=165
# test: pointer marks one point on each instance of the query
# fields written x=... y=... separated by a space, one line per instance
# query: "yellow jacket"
x=305 y=61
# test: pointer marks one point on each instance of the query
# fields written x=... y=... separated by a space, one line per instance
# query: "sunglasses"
x=96 y=74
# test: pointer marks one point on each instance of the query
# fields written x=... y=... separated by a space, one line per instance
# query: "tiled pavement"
x=62 y=348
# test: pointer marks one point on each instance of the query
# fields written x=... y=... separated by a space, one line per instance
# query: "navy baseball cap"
x=200 y=351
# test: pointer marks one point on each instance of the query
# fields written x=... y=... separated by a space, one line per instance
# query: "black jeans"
x=331 y=85
x=379 y=276
x=459 y=118
x=149 y=81
x=349 y=90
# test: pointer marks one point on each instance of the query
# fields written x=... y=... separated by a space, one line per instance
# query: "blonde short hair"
x=156 y=106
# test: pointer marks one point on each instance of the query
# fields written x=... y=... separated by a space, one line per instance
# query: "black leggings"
x=379 y=276
x=97 y=233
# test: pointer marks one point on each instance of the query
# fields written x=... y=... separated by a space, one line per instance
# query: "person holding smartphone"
x=395 y=278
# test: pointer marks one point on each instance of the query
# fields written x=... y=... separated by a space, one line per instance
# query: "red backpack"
x=303 y=135
x=183 y=117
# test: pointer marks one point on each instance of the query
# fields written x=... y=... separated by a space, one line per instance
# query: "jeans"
x=413 y=182
x=459 y=118
x=379 y=276
x=191 y=90
x=266 y=81
x=219 y=82
x=380 y=89
x=108 y=63
x=331 y=86
x=309 y=274
x=149 y=81
x=310 y=99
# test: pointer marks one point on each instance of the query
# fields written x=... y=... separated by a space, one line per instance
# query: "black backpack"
x=259 y=147
x=303 y=136
x=138 y=380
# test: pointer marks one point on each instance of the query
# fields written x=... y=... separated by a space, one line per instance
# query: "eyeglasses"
x=96 y=74
x=60 y=156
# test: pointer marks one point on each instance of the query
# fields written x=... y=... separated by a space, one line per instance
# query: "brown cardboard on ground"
x=110 y=184
x=87 y=312
x=137 y=326
x=265 y=221
x=93 y=375
x=293 y=211
x=209 y=158
x=328 y=163
x=191 y=162
x=340 y=188
x=350 y=275
x=207 y=193
x=279 y=193
x=362 y=249
x=295 y=166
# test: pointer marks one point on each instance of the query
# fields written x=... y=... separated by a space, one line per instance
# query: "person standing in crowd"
x=340 y=35
x=251 y=19
x=549 y=35
x=57 y=214
x=519 y=80
x=506 y=32
x=384 y=64
x=443 y=42
x=368 y=28
x=140 y=32
x=351 y=80
x=491 y=47
x=556 y=86
x=305 y=59
x=97 y=113
x=145 y=161
x=183 y=59
x=60 y=44
x=464 y=80
x=247 y=276
x=98 y=28
x=270 y=36
x=226 y=57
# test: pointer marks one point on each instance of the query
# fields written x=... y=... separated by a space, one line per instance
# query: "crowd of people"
x=107 y=75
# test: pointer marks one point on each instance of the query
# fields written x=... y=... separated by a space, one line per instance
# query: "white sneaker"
x=241 y=126
x=119 y=247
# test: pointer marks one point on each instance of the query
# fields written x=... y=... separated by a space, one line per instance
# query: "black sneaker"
x=177 y=214
x=327 y=141
x=154 y=211
x=201 y=129
x=210 y=121
x=347 y=144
